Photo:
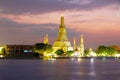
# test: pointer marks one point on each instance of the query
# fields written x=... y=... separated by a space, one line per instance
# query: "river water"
x=61 y=69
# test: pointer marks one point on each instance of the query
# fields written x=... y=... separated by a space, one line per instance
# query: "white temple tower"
x=46 y=39
x=74 y=44
x=81 y=48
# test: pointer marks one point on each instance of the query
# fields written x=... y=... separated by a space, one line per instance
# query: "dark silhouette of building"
x=19 y=50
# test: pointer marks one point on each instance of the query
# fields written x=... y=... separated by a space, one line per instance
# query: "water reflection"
x=92 y=72
x=62 y=69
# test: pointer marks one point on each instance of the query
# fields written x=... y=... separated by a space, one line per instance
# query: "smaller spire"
x=46 y=39
x=74 y=41
x=81 y=44
x=81 y=39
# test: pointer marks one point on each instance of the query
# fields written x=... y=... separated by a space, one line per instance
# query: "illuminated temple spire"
x=62 y=36
x=74 y=43
x=46 y=39
x=81 y=45
x=62 y=40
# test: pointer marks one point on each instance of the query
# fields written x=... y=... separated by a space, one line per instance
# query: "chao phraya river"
x=61 y=69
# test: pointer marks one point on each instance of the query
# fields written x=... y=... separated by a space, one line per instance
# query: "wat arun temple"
x=62 y=41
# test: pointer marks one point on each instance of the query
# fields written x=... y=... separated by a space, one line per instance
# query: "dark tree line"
x=104 y=50
x=41 y=48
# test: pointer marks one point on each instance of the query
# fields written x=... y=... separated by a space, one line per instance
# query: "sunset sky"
x=27 y=21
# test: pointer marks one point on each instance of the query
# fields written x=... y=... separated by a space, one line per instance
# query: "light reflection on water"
x=65 y=69
x=92 y=68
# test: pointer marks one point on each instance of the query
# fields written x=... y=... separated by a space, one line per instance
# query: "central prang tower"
x=62 y=36
x=62 y=40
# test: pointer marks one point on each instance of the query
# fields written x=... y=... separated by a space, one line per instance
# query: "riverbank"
x=59 y=57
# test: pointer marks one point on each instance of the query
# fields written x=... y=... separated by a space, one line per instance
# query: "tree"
x=101 y=50
x=69 y=53
x=105 y=51
x=59 y=52
x=2 y=51
x=116 y=48
x=86 y=52
x=41 y=48
x=110 y=51
x=49 y=48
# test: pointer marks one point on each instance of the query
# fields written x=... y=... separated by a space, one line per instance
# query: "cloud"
x=45 y=6
x=82 y=2
x=14 y=33
x=9 y=23
x=24 y=21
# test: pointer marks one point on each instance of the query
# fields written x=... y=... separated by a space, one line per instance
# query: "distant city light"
x=117 y=55
x=1 y=56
